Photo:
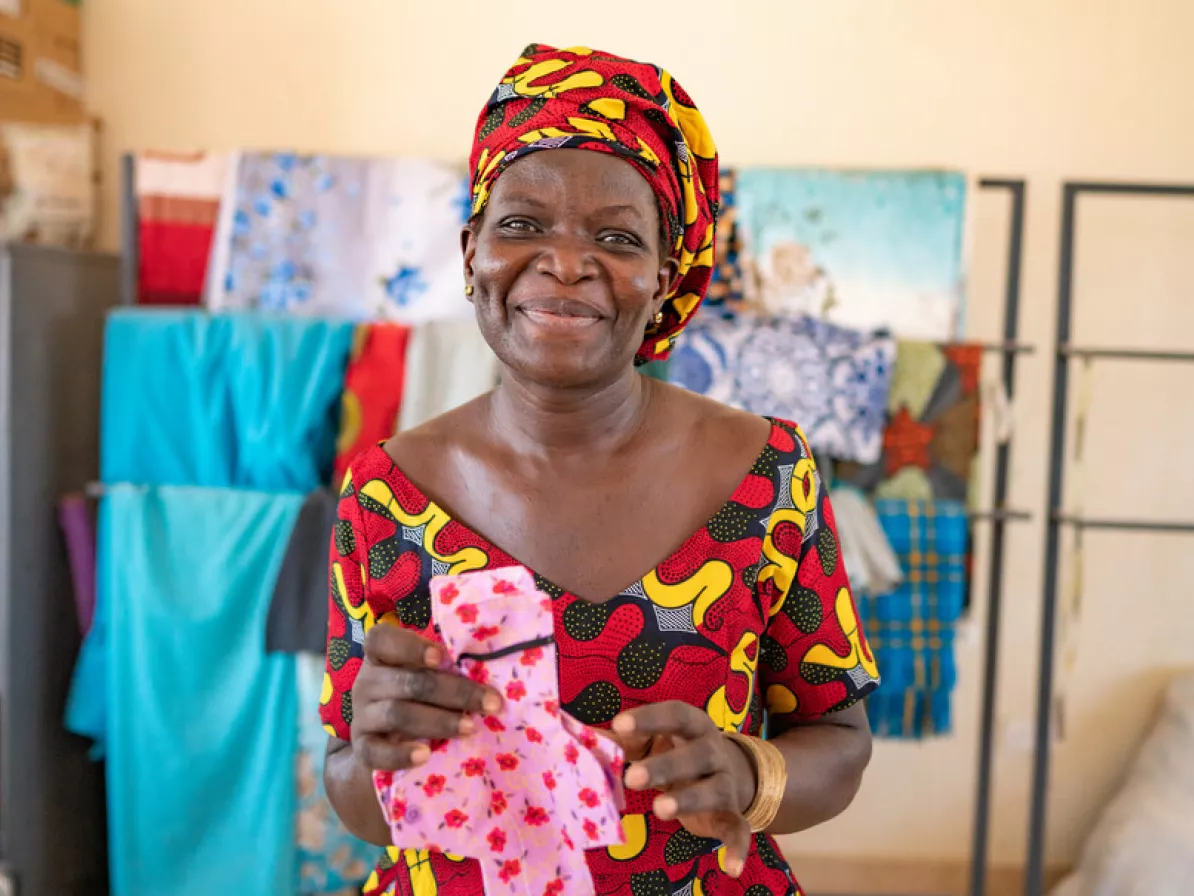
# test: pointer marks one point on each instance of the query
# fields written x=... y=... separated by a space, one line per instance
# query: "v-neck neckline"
x=558 y=591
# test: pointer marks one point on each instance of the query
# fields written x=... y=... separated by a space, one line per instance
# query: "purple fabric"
x=78 y=527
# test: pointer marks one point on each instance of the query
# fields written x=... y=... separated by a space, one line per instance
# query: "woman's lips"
x=560 y=315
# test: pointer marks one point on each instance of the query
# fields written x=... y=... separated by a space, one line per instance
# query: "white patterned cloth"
x=831 y=380
x=364 y=239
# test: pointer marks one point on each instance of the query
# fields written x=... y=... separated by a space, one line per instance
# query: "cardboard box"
x=40 y=62
x=48 y=189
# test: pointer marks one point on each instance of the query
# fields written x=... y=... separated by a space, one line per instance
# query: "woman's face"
x=567 y=266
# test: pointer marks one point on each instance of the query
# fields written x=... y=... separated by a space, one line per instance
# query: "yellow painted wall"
x=1046 y=89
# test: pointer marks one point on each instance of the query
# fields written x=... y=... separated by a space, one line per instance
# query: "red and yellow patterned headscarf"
x=585 y=99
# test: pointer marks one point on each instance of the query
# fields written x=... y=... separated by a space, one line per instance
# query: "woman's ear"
x=669 y=277
x=468 y=247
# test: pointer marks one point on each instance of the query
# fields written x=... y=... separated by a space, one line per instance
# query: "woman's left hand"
x=707 y=780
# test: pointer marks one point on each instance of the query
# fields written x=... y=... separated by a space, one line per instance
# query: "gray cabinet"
x=52 y=308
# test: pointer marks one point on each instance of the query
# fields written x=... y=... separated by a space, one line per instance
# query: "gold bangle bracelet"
x=771 y=777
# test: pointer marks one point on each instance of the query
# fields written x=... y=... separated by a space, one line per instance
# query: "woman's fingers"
x=688 y=762
x=713 y=794
x=672 y=717
x=379 y=752
x=414 y=721
x=389 y=645
x=734 y=833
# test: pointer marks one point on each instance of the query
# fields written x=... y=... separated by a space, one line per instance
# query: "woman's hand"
x=401 y=698
x=708 y=782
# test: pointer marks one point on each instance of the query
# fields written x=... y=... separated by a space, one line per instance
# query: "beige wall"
x=1048 y=89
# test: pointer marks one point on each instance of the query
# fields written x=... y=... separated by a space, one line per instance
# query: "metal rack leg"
x=1034 y=881
x=129 y=230
x=1011 y=316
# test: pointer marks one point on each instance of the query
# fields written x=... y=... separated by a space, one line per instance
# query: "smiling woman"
x=689 y=549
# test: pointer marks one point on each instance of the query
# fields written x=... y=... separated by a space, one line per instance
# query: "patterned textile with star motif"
x=932 y=434
x=751 y=614
x=361 y=238
x=833 y=379
x=532 y=788
x=587 y=99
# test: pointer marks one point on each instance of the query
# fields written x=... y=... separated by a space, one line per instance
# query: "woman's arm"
x=826 y=759
x=350 y=791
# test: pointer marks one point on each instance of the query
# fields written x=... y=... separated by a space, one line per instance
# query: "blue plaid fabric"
x=911 y=629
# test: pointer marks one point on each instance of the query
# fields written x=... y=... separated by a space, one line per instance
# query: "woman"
x=581 y=264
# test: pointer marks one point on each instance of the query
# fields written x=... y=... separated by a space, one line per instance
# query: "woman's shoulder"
x=716 y=429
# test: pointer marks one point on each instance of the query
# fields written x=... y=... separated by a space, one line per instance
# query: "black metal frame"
x=1035 y=878
x=1000 y=515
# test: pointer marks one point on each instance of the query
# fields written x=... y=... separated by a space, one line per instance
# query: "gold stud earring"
x=468 y=289
x=658 y=318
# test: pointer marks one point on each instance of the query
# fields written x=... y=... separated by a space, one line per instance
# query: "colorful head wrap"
x=584 y=99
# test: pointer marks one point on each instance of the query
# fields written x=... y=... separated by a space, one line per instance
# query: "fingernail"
x=734 y=868
x=665 y=807
x=491 y=703
x=433 y=656
x=419 y=755
x=467 y=726
x=623 y=724
x=636 y=777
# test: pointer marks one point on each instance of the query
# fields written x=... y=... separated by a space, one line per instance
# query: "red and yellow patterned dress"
x=752 y=613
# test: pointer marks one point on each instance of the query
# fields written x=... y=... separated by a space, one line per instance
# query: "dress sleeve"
x=814 y=658
x=349 y=613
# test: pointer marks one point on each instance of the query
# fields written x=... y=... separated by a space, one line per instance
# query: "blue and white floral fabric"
x=832 y=380
x=366 y=239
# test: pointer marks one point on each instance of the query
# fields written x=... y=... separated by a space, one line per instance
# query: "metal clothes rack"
x=999 y=516
x=1034 y=880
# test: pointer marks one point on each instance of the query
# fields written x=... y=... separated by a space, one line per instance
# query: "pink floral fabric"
x=532 y=788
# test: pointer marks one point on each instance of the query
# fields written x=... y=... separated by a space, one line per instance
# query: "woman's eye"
x=519 y=225
x=620 y=239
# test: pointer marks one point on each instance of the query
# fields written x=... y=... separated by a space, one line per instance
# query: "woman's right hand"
x=401 y=699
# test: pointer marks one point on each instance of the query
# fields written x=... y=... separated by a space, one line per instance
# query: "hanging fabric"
x=931 y=440
x=331 y=861
x=832 y=380
x=201 y=745
x=871 y=563
x=373 y=390
x=726 y=293
x=360 y=238
x=76 y=519
x=912 y=627
x=298 y=610
x=878 y=249
x=237 y=400
x=178 y=204
x=447 y=364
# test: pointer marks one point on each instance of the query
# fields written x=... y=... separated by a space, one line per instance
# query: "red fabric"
x=752 y=612
x=173 y=262
x=585 y=99
x=373 y=388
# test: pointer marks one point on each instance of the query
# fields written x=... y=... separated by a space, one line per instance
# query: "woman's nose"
x=568 y=259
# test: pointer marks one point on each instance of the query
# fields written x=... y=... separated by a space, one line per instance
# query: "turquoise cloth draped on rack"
x=227 y=400
x=201 y=737
x=911 y=628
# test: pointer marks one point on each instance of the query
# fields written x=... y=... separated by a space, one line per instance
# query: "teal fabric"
x=229 y=400
x=202 y=743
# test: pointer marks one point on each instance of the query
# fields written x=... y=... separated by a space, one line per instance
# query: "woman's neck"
x=533 y=419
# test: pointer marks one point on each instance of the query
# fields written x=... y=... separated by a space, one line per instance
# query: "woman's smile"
x=559 y=315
